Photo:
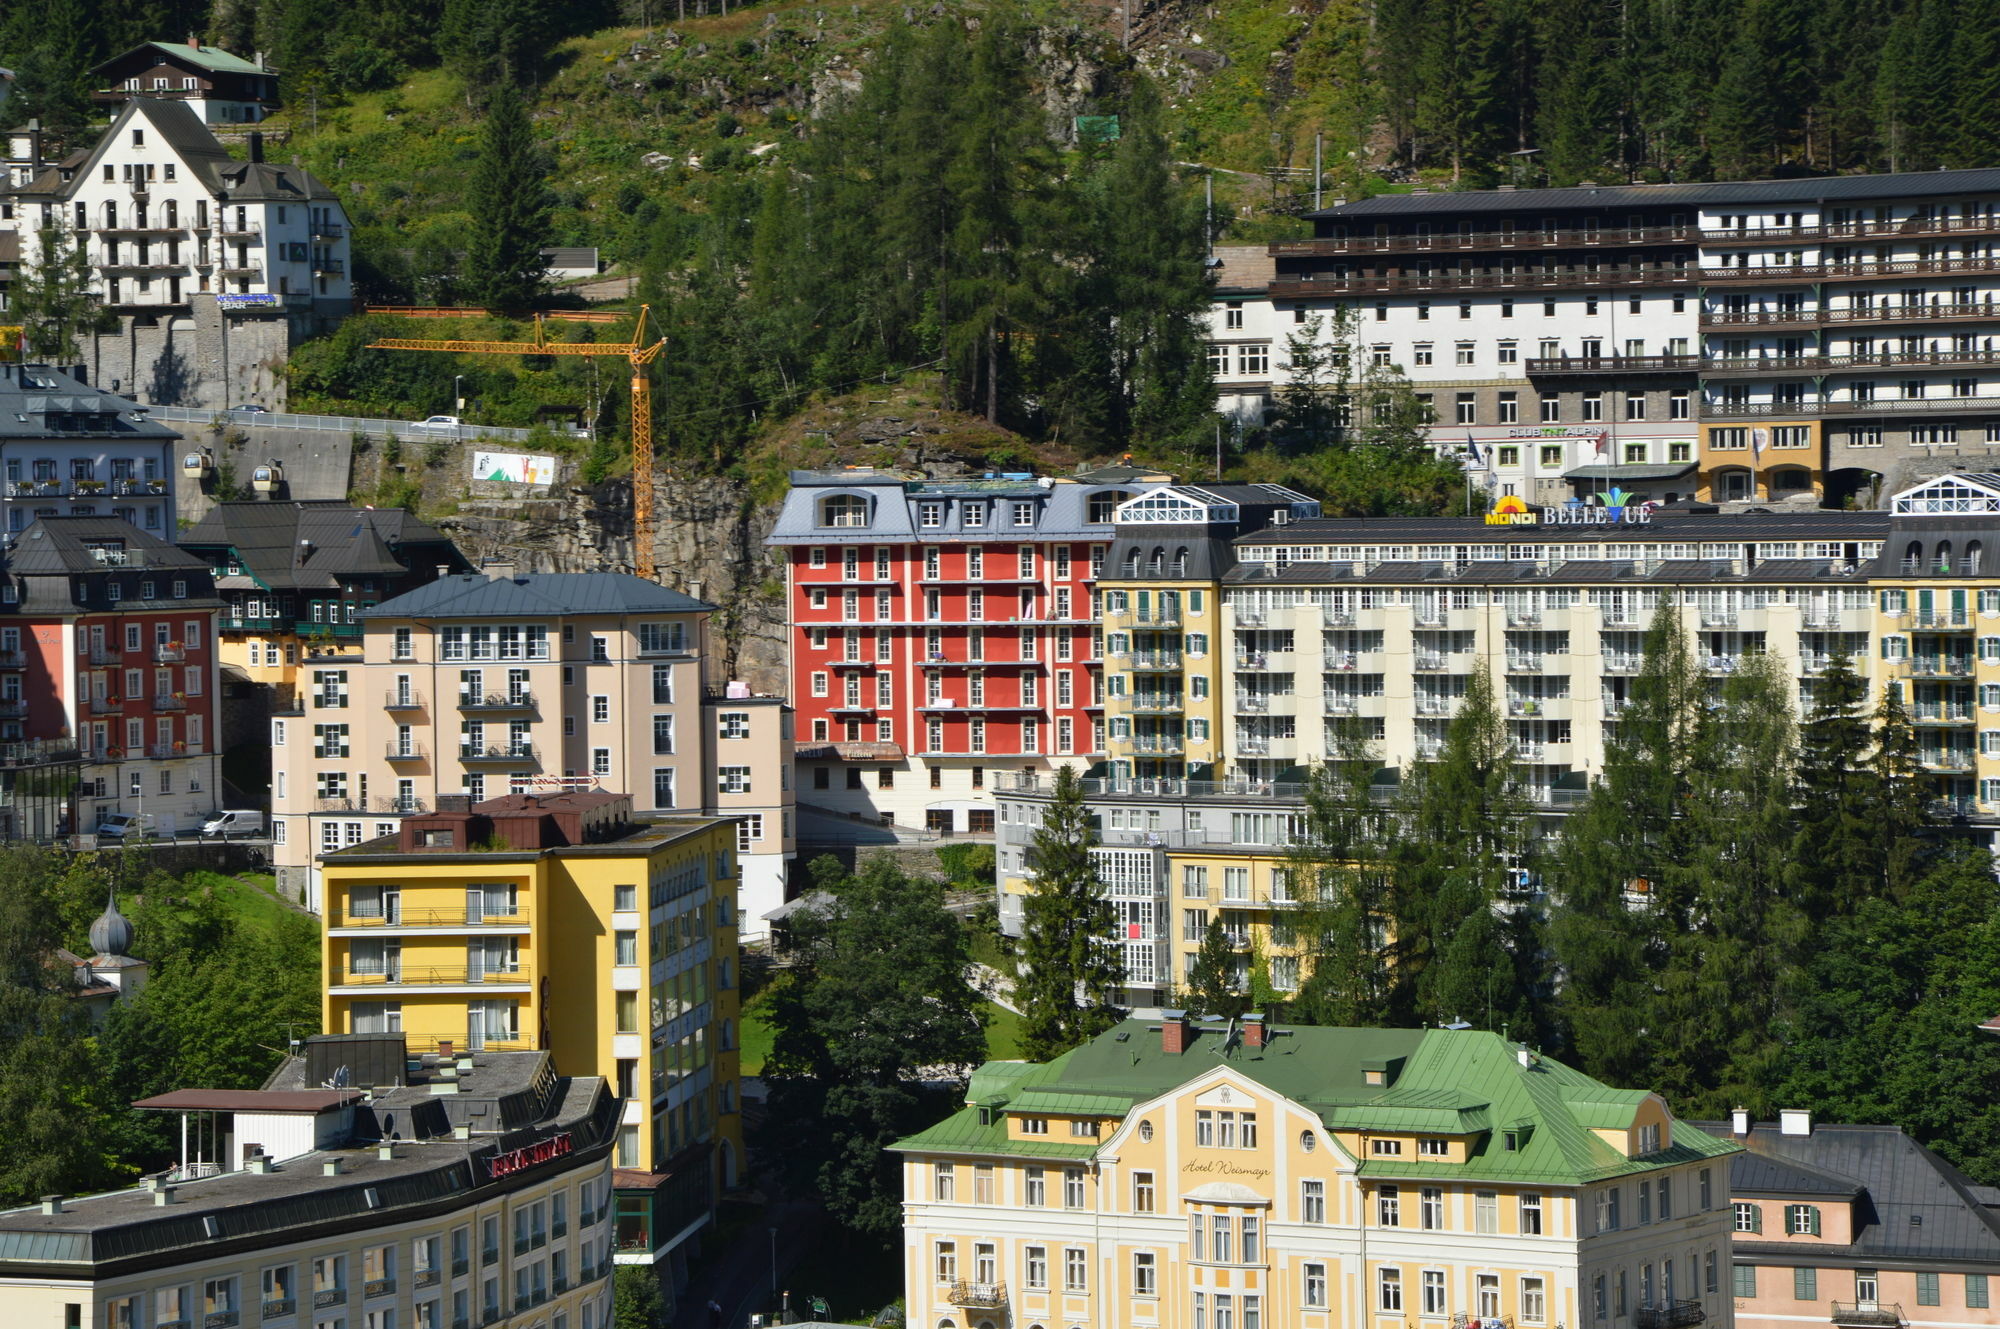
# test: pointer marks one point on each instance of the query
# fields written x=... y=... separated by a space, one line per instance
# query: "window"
x=1422 y=354
x=1467 y=408
x=944 y=1180
x=1976 y=1295
x=1463 y=353
x=1593 y=406
x=1145 y=1275
x=1802 y=1220
x=1142 y=1192
x=1486 y=1212
x=1510 y=408
x=733 y=779
x=945 y=1258
x=1510 y=352
x=1534 y=1301
x=1389 y=1290
x=1389 y=1207
x=1075 y=1278
x=1743 y=1280
x=982 y=1183
x=1531 y=1215
x=1430 y=1208
x=1927 y=1288
x=1805 y=1285
x=1037 y=1273
x=1314 y=1295
x=1312 y=1202
x=1072 y=1188
x=1434 y=1293
x=1551 y=408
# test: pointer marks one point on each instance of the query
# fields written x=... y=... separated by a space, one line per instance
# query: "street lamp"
x=457 y=395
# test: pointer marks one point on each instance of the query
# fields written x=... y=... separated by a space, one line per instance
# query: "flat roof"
x=645 y=837
x=252 y=1100
x=1829 y=188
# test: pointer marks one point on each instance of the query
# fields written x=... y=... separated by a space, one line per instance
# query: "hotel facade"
x=1204 y=1177
x=1324 y=629
x=1800 y=341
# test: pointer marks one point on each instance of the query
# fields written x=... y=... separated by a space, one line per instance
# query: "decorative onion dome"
x=111 y=934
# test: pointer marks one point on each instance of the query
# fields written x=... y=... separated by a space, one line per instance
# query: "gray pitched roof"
x=1906 y=184
x=191 y=140
x=63 y=546
x=1913 y=1205
x=338 y=540
x=538 y=595
x=37 y=391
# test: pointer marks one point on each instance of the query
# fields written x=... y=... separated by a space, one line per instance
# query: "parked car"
x=439 y=422
x=250 y=408
x=235 y=822
x=123 y=825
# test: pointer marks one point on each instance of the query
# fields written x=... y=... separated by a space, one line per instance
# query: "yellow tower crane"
x=637 y=352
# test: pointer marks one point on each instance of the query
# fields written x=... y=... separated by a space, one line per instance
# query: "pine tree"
x=1211 y=984
x=1578 y=104
x=1837 y=858
x=1463 y=834
x=1337 y=871
x=1904 y=791
x=1074 y=964
x=54 y=300
x=511 y=206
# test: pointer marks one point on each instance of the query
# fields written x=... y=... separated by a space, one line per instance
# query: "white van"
x=123 y=825
x=237 y=822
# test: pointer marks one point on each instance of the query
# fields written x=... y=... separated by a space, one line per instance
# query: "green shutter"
x=1756 y=1218
x=1927 y=1289
x=1745 y=1278
x=1812 y=1212
x=1805 y=1285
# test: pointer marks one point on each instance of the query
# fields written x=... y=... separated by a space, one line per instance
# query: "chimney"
x=1173 y=1032
x=163 y=1197
x=1253 y=1030
x=194 y=42
x=260 y=1164
x=1795 y=1121
x=386 y=1152
x=52 y=1204
x=444 y=570
x=444 y=1049
x=500 y=569
x=330 y=1168
x=256 y=145
x=1739 y=1121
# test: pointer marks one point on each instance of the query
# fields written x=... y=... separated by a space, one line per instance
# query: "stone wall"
x=206 y=358
x=317 y=463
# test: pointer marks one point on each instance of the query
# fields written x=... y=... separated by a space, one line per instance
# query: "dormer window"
x=843 y=510
x=1649 y=1140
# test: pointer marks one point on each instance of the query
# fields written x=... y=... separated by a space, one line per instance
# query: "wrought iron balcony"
x=979 y=1296
x=1867 y=1314
x=1671 y=1315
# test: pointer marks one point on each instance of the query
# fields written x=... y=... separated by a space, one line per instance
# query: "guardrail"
x=344 y=424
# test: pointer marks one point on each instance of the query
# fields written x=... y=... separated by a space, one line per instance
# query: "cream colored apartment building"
x=492 y=1206
x=489 y=685
x=1245 y=1177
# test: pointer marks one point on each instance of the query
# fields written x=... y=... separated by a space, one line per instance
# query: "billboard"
x=517 y=468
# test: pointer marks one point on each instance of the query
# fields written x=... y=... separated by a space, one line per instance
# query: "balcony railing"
x=1879 y=313
x=169 y=701
x=1671 y=1315
x=407 y=752
x=1615 y=364
x=1930 y=666
x=1338 y=662
x=496 y=752
x=1867 y=1314
x=423 y=976
x=1159 y=743
x=1524 y=664
x=512 y=700
x=1942 y=621
x=1566 y=277
x=278 y=1306
x=425 y=918
x=1748 y=410
x=378 y=1287
x=400 y=699
x=979 y=1296
x=1448 y=241
x=1152 y=659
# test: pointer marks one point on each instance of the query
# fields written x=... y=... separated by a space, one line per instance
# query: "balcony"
x=1430 y=662
x=1758 y=410
x=169 y=701
x=1624 y=664
x=1789 y=273
x=1427 y=705
x=219 y=1320
x=398 y=975
x=1339 y=662
x=424 y=1278
x=1867 y=1314
x=105 y=705
x=1619 y=365
x=1153 y=661
x=400 y=699
x=1934 y=666
x=519 y=699
x=242 y=269
x=378 y=1287
x=393 y=805
x=1942 y=621
x=496 y=752
x=1759 y=366
x=1265 y=745
x=1155 y=703
x=1160 y=744
x=106 y=655
x=13 y=660
x=329 y=1296
x=1450 y=241
x=979 y=1296
x=1524 y=664
x=1335 y=285
x=1671 y=1315
x=1958 y=310
x=178 y=748
x=1947 y=761
x=241 y=231
x=1534 y=706
x=365 y=916
x=406 y=752
x=1340 y=703
x=1937 y=712
x=327 y=230
x=1720 y=664
x=277 y=1307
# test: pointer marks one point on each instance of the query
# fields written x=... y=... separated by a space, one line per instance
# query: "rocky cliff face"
x=708 y=541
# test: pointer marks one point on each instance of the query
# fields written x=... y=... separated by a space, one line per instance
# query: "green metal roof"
x=1451 y=1082
x=210 y=57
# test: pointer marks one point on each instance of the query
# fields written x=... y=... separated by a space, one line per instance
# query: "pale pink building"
x=1856 y=1227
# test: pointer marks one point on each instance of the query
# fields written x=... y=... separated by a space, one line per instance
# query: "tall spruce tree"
x=53 y=297
x=1837 y=854
x=1464 y=836
x=511 y=207
x=1904 y=789
x=1339 y=875
x=1069 y=949
x=1212 y=989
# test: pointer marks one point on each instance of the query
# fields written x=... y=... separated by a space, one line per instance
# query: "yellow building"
x=557 y=923
x=1246 y=1177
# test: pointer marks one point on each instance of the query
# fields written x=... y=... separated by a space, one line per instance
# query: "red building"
x=943 y=633
x=108 y=660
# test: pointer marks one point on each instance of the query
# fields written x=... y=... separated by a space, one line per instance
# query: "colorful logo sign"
x=1509 y=510
x=542 y=1151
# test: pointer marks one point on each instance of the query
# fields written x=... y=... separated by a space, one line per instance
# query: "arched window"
x=1913 y=556
x=1973 y=551
x=1790 y=480
x=110 y=213
x=843 y=510
x=1180 y=561
x=1158 y=562
x=1944 y=556
x=1734 y=484
x=1131 y=562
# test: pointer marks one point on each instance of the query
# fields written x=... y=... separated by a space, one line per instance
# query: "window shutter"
x=1812 y=1215
x=1756 y=1218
